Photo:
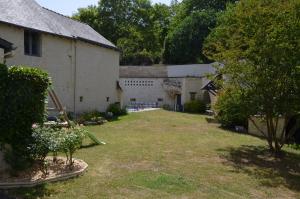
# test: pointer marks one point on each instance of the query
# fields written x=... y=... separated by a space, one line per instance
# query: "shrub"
x=47 y=140
x=116 y=110
x=71 y=141
x=24 y=100
x=94 y=116
x=167 y=107
x=230 y=109
x=196 y=106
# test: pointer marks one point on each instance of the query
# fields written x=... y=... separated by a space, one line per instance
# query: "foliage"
x=230 y=108
x=71 y=141
x=134 y=25
x=196 y=106
x=259 y=43
x=190 y=25
x=55 y=140
x=184 y=44
x=116 y=110
x=23 y=102
x=90 y=116
x=167 y=107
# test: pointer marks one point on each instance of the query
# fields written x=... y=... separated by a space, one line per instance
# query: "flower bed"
x=56 y=171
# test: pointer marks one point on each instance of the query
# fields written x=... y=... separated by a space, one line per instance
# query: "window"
x=193 y=96
x=160 y=99
x=32 y=43
x=132 y=99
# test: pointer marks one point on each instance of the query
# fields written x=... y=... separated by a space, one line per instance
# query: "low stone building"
x=157 y=86
x=83 y=65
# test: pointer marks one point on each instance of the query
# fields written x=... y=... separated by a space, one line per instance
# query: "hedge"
x=196 y=106
x=23 y=93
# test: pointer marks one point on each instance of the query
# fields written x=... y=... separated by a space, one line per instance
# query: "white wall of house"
x=139 y=89
x=192 y=85
x=145 y=90
x=77 y=68
x=1 y=55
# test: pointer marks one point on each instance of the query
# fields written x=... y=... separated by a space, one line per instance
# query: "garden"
x=163 y=154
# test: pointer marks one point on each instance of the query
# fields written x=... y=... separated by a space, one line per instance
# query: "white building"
x=164 y=85
x=83 y=65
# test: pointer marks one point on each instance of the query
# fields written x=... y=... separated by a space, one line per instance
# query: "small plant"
x=167 y=107
x=71 y=141
x=116 y=110
x=93 y=116
x=196 y=106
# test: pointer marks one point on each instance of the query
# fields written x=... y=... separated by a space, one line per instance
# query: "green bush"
x=92 y=116
x=196 y=106
x=23 y=104
x=231 y=110
x=71 y=141
x=54 y=140
x=116 y=110
x=167 y=107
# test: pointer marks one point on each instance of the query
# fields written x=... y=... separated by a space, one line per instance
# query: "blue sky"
x=67 y=7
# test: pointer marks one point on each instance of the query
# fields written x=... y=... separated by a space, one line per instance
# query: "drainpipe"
x=75 y=74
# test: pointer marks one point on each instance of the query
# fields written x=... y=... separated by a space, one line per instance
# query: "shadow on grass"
x=91 y=145
x=30 y=193
x=258 y=162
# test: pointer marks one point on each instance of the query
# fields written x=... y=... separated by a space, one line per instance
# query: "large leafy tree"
x=137 y=27
x=189 y=27
x=184 y=44
x=259 y=43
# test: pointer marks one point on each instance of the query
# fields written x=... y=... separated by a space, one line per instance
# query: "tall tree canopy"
x=137 y=27
x=146 y=33
x=189 y=27
x=259 y=43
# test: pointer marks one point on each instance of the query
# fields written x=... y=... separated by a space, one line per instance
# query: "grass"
x=163 y=154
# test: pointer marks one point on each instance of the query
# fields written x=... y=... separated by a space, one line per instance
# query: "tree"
x=135 y=26
x=184 y=44
x=190 y=25
x=259 y=43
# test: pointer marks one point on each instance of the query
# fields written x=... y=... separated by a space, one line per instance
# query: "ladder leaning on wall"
x=58 y=105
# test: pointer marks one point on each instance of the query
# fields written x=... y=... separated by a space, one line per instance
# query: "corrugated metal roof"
x=29 y=14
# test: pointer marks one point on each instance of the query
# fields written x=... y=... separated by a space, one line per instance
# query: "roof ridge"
x=64 y=16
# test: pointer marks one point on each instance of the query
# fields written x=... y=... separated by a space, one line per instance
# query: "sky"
x=68 y=7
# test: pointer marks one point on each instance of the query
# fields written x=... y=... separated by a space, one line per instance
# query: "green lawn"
x=163 y=154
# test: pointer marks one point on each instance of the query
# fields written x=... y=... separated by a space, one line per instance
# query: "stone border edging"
x=30 y=184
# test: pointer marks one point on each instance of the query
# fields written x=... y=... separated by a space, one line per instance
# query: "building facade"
x=158 y=86
x=83 y=65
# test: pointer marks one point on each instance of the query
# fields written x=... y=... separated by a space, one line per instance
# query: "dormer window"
x=32 y=43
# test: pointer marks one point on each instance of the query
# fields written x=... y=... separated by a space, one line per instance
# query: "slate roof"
x=29 y=14
x=143 y=72
x=164 y=71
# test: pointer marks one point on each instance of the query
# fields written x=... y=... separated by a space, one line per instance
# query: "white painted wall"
x=139 y=89
x=92 y=74
x=149 y=94
x=97 y=76
x=192 y=85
